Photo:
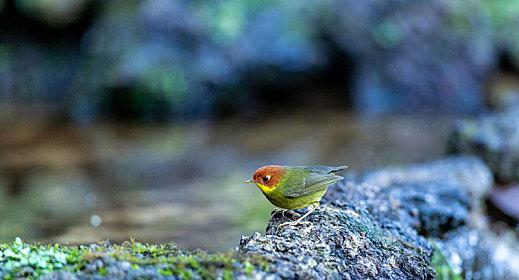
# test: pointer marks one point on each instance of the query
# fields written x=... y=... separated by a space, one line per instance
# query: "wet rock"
x=469 y=173
x=480 y=255
x=436 y=207
x=494 y=138
x=459 y=184
x=454 y=222
x=430 y=207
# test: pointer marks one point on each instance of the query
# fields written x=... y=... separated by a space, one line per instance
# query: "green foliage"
x=20 y=259
x=441 y=265
x=504 y=17
x=226 y=20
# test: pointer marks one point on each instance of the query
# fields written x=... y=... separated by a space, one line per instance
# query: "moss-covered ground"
x=22 y=260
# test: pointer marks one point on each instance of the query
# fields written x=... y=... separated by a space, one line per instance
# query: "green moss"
x=165 y=271
x=21 y=260
x=182 y=263
x=102 y=271
x=442 y=267
x=248 y=268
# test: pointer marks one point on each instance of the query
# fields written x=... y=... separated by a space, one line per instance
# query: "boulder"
x=388 y=224
x=494 y=138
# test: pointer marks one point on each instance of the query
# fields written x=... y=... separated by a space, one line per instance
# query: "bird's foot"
x=294 y=223
x=301 y=218
x=290 y=215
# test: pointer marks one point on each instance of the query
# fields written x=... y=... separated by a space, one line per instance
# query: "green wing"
x=310 y=180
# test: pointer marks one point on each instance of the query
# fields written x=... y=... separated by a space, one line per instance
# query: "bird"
x=295 y=187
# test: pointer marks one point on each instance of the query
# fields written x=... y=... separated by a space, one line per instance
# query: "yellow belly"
x=281 y=201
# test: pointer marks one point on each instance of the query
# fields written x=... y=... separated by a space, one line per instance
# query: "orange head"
x=268 y=176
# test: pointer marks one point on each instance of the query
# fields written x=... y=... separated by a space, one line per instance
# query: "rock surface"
x=494 y=138
x=477 y=254
x=505 y=203
x=376 y=227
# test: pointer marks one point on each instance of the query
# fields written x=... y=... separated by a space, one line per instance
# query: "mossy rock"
x=131 y=260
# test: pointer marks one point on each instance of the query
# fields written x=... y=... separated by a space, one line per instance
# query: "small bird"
x=295 y=187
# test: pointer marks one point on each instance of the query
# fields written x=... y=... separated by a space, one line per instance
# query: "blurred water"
x=179 y=182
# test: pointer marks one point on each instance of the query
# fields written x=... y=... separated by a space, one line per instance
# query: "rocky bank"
x=402 y=222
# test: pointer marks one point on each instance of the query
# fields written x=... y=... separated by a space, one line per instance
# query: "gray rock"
x=502 y=204
x=469 y=173
x=375 y=227
x=434 y=207
x=342 y=242
x=481 y=255
x=494 y=138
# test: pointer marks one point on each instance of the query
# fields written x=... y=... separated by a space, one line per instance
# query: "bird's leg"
x=284 y=213
x=314 y=206
x=295 y=214
x=279 y=210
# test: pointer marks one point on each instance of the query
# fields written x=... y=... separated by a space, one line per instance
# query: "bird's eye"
x=265 y=178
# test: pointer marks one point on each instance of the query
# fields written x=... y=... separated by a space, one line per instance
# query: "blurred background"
x=143 y=118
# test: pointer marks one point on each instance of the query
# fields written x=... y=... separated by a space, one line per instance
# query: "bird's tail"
x=339 y=168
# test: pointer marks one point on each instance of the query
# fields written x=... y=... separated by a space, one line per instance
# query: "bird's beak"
x=248 y=181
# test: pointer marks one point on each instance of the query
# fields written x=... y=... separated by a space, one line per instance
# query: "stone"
x=386 y=224
x=494 y=138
